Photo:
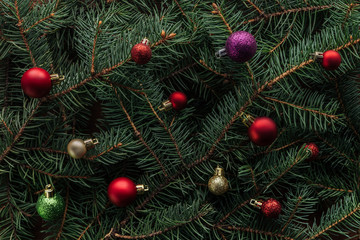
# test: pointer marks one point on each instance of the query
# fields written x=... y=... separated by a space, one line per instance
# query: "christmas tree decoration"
x=50 y=205
x=313 y=149
x=37 y=82
x=141 y=52
x=177 y=101
x=218 y=184
x=271 y=208
x=330 y=59
x=263 y=131
x=240 y=47
x=122 y=191
x=77 y=148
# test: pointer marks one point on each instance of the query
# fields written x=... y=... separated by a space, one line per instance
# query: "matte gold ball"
x=218 y=185
x=76 y=148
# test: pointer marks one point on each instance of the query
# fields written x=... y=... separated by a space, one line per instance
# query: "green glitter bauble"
x=50 y=208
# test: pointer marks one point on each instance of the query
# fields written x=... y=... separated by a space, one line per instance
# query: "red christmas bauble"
x=313 y=148
x=263 y=131
x=178 y=100
x=331 y=60
x=141 y=53
x=122 y=191
x=271 y=208
x=36 y=82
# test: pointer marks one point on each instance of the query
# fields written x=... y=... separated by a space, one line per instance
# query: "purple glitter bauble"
x=241 y=46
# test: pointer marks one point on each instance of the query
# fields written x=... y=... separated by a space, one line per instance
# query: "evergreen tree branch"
x=260 y=232
x=10 y=211
x=279 y=148
x=302 y=108
x=46 y=150
x=41 y=20
x=184 y=14
x=337 y=150
x=93 y=50
x=168 y=130
x=283 y=40
x=202 y=62
x=331 y=188
x=334 y=224
x=138 y=134
x=53 y=175
x=253 y=178
x=20 y=22
x=350 y=8
x=157 y=232
x=344 y=109
x=19 y=134
x=6 y=126
x=138 y=91
x=292 y=214
x=102 y=153
x=93 y=220
x=63 y=219
x=218 y=12
x=294 y=10
x=178 y=71
x=256 y=7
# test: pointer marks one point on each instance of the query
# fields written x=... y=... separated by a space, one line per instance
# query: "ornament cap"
x=49 y=191
x=255 y=203
x=221 y=53
x=141 y=188
x=165 y=106
x=145 y=41
x=56 y=78
x=317 y=55
x=219 y=171
x=247 y=119
x=89 y=143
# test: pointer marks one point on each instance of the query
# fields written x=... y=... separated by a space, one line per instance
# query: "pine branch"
x=292 y=214
x=63 y=219
x=93 y=50
x=53 y=175
x=256 y=231
x=256 y=7
x=41 y=20
x=218 y=12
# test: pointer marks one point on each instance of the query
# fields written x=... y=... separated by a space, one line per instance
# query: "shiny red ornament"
x=122 y=191
x=141 y=52
x=331 y=60
x=36 y=82
x=271 y=208
x=263 y=131
x=178 y=100
x=313 y=148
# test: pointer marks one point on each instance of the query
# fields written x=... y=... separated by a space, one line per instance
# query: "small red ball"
x=141 y=53
x=178 y=100
x=36 y=82
x=271 y=208
x=331 y=60
x=122 y=191
x=313 y=148
x=263 y=131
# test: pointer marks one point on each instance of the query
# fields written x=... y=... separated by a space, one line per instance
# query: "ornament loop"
x=219 y=171
x=49 y=191
x=91 y=142
x=165 y=106
x=145 y=41
x=141 y=188
x=255 y=203
x=221 y=53
x=56 y=78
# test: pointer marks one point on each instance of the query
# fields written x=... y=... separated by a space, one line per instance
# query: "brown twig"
x=93 y=50
x=218 y=12
x=53 y=175
x=41 y=20
x=333 y=189
x=256 y=7
x=292 y=214
x=19 y=134
x=225 y=75
x=168 y=37
x=251 y=230
x=6 y=126
x=20 y=22
x=64 y=216
x=334 y=224
x=302 y=108
x=158 y=232
x=184 y=14
x=138 y=134
x=295 y=10
x=102 y=153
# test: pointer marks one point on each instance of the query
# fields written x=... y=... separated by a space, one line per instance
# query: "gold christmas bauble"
x=77 y=148
x=218 y=184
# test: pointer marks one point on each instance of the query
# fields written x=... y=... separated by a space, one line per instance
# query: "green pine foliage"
x=107 y=96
